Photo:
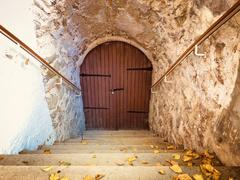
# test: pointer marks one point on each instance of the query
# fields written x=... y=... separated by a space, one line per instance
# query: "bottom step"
x=110 y=172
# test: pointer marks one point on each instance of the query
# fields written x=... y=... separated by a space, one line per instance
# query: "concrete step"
x=89 y=148
x=96 y=136
x=110 y=172
x=114 y=141
x=118 y=133
x=86 y=159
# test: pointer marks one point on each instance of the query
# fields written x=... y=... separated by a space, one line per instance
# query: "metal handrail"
x=30 y=51
x=214 y=27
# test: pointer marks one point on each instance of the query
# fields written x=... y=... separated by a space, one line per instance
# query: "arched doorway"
x=116 y=81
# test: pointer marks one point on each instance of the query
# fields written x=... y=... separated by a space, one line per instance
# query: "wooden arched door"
x=116 y=80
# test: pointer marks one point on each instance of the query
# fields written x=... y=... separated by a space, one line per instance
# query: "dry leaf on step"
x=64 y=178
x=131 y=159
x=47 y=151
x=123 y=149
x=54 y=176
x=187 y=158
x=88 y=177
x=162 y=172
x=230 y=179
x=84 y=142
x=172 y=162
x=207 y=154
x=94 y=156
x=120 y=163
x=170 y=147
x=176 y=168
x=46 y=169
x=144 y=162
x=156 y=151
x=1 y=158
x=189 y=164
x=25 y=162
x=198 y=177
x=64 y=163
x=176 y=156
x=209 y=170
x=152 y=146
x=182 y=177
x=99 y=176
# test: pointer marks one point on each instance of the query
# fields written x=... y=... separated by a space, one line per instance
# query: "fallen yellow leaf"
x=172 y=162
x=64 y=178
x=120 y=163
x=182 y=177
x=176 y=168
x=47 y=151
x=190 y=164
x=99 y=176
x=64 y=163
x=46 y=169
x=170 y=147
x=156 y=151
x=198 y=177
x=152 y=146
x=207 y=154
x=176 y=156
x=206 y=161
x=54 y=176
x=88 y=178
x=144 y=162
x=123 y=149
x=187 y=158
x=84 y=142
x=162 y=172
x=209 y=170
x=131 y=159
x=94 y=156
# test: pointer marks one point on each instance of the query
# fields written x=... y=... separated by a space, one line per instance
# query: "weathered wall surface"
x=57 y=47
x=185 y=111
x=25 y=121
x=188 y=110
x=226 y=134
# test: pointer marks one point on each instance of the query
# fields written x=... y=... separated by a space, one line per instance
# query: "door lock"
x=116 y=89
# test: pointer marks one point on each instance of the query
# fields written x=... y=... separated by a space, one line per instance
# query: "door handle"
x=116 y=89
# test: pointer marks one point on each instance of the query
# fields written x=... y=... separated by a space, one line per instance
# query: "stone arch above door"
x=99 y=41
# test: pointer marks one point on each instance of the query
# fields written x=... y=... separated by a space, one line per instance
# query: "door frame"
x=101 y=41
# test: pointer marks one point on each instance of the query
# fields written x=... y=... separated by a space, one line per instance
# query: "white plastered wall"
x=25 y=122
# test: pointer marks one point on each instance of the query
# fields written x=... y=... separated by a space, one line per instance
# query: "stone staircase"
x=133 y=155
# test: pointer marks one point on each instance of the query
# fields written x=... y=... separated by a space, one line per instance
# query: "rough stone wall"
x=57 y=47
x=188 y=110
x=164 y=29
x=226 y=133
